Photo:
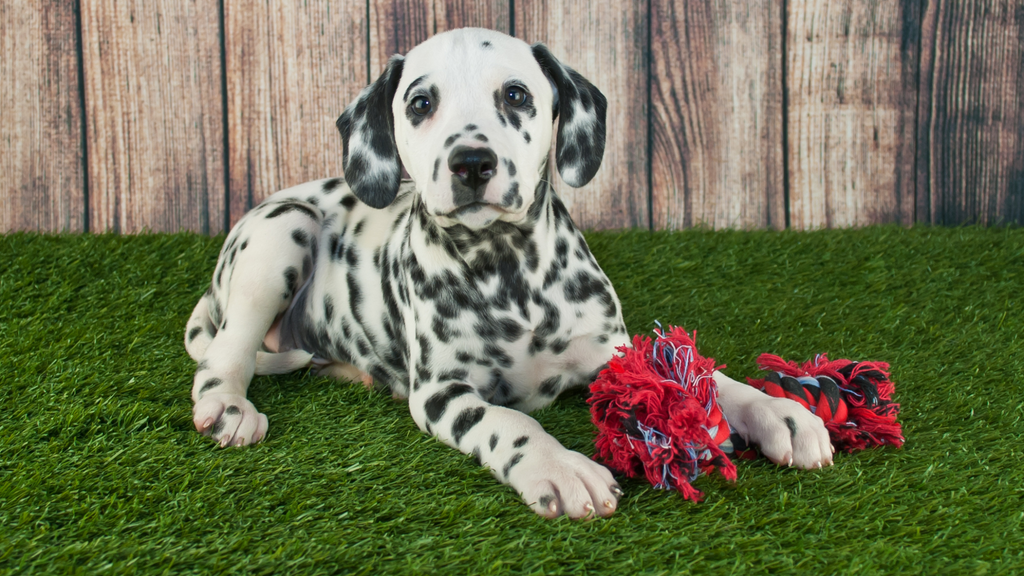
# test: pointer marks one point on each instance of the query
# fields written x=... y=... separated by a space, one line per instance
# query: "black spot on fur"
x=451 y=140
x=452 y=376
x=328 y=308
x=521 y=441
x=331 y=184
x=351 y=256
x=362 y=346
x=493 y=443
x=546 y=500
x=505 y=329
x=291 y=281
x=286 y=207
x=498 y=355
x=582 y=287
x=550 y=386
x=436 y=405
x=508 y=466
x=232 y=410
x=211 y=383
x=348 y=202
x=537 y=344
x=481 y=137
x=194 y=332
x=413 y=84
x=465 y=421
x=791 y=424
x=245 y=244
x=511 y=196
x=437 y=166
x=559 y=346
x=443 y=330
x=300 y=237
x=485 y=44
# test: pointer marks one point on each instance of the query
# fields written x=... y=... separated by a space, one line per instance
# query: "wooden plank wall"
x=42 y=164
x=131 y=115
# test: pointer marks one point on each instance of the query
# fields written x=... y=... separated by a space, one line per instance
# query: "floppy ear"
x=581 y=111
x=372 y=167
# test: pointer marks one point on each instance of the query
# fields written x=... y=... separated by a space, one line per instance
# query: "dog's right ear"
x=373 y=169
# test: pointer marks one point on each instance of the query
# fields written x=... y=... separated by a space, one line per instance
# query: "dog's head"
x=469 y=114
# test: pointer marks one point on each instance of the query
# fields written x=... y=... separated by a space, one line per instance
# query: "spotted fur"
x=467 y=289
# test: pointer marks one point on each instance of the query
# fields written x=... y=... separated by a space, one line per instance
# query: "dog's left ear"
x=373 y=169
x=581 y=111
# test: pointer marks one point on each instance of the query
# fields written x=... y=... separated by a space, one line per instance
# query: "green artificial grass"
x=102 y=471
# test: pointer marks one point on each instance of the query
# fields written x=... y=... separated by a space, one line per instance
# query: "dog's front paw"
x=558 y=481
x=786 y=432
x=229 y=419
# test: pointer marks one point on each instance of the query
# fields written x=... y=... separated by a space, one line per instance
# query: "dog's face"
x=469 y=114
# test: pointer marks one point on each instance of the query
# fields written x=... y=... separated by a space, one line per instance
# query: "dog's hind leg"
x=266 y=259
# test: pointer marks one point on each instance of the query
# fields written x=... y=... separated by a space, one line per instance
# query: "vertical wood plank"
x=291 y=69
x=41 y=146
x=851 y=80
x=716 y=114
x=396 y=27
x=971 y=131
x=606 y=43
x=154 y=115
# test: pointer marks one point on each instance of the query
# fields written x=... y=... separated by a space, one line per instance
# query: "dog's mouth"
x=473 y=208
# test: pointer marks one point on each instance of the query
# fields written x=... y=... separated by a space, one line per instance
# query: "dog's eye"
x=420 y=105
x=515 y=96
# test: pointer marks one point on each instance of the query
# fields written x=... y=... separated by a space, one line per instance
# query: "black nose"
x=472 y=167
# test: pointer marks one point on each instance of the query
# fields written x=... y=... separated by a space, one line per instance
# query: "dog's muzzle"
x=472 y=169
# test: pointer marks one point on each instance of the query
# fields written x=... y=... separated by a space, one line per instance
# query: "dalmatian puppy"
x=467 y=289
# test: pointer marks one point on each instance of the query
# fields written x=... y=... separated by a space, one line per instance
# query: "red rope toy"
x=854 y=399
x=656 y=408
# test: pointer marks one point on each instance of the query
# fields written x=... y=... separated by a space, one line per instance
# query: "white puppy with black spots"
x=467 y=290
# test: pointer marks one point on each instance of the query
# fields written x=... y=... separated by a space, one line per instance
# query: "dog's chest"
x=407 y=310
x=503 y=319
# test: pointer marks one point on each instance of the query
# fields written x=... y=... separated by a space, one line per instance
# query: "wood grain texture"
x=971 y=106
x=851 y=81
x=154 y=113
x=396 y=27
x=716 y=114
x=42 y=160
x=291 y=69
x=606 y=43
